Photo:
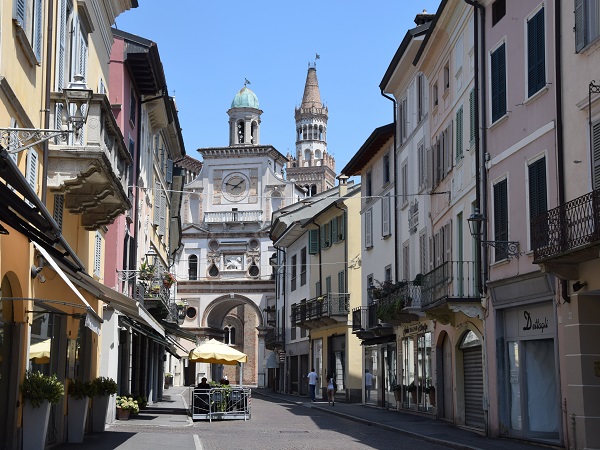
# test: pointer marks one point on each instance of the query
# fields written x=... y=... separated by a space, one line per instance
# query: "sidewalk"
x=414 y=425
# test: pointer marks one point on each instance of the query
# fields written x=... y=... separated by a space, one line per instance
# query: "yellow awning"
x=216 y=352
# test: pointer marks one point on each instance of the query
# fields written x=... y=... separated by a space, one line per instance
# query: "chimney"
x=343 y=186
x=423 y=18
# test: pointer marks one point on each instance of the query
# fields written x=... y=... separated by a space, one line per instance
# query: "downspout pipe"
x=393 y=100
x=480 y=143
x=282 y=277
x=560 y=149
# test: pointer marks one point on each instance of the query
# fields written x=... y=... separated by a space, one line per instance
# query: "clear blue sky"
x=208 y=47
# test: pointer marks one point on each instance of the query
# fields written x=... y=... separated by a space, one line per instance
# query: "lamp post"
x=76 y=101
x=476 y=224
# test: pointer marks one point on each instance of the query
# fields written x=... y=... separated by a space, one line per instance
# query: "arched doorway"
x=445 y=378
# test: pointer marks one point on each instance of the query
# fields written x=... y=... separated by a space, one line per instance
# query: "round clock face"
x=235 y=186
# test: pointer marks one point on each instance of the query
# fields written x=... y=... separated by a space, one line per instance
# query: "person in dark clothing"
x=203 y=384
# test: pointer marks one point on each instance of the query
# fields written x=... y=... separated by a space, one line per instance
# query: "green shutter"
x=323 y=237
x=341 y=289
x=472 y=116
x=498 y=83
x=500 y=217
x=342 y=227
x=596 y=155
x=538 y=203
x=313 y=242
x=579 y=26
x=334 y=230
x=459 y=133
x=536 y=54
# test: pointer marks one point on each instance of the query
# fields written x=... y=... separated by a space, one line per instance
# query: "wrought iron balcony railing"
x=274 y=338
x=322 y=307
x=364 y=317
x=452 y=281
x=567 y=228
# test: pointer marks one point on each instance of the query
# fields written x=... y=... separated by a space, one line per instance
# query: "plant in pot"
x=146 y=271
x=80 y=393
x=39 y=392
x=104 y=388
x=168 y=279
x=397 y=389
x=126 y=406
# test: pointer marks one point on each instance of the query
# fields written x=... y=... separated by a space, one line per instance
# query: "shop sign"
x=417 y=328
x=282 y=357
x=536 y=322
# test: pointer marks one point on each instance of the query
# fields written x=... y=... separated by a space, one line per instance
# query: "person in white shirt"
x=312 y=383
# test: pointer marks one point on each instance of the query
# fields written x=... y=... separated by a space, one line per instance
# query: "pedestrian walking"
x=331 y=389
x=312 y=383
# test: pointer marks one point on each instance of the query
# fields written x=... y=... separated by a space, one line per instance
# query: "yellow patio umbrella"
x=216 y=352
x=40 y=352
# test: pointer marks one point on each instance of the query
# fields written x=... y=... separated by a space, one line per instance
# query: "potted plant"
x=146 y=271
x=168 y=279
x=168 y=380
x=104 y=388
x=415 y=392
x=126 y=406
x=80 y=393
x=431 y=392
x=39 y=392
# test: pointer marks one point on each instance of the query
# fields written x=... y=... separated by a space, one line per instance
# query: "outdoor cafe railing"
x=220 y=403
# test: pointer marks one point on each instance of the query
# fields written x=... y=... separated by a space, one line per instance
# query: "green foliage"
x=105 y=386
x=38 y=387
x=128 y=403
x=390 y=307
x=81 y=389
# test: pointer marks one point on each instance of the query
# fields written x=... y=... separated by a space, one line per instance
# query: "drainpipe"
x=393 y=100
x=282 y=376
x=560 y=160
x=49 y=60
x=480 y=144
x=480 y=168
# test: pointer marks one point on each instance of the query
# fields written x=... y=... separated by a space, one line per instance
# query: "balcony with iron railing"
x=567 y=235
x=274 y=339
x=91 y=166
x=233 y=216
x=449 y=288
x=325 y=310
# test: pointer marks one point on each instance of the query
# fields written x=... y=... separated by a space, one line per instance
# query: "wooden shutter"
x=448 y=153
x=536 y=66
x=459 y=133
x=61 y=44
x=342 y=227
x=32 y=169
x=472 y=100
x=37 y=29
x=579 y=26
x=163 y=213
x=334 y=230
x=498 y=83
x=156 y=216
x=169 y=177
x=313 y=242
x=448 y=241
x=500 y=217
x=369 y=228
x=59 y=201
x=97 y=254
x=537 y=188
x=20 y=12
x=328 y=285
x=341 y=288
x=596 y=154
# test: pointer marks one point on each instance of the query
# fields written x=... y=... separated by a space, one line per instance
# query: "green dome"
x=245 y=98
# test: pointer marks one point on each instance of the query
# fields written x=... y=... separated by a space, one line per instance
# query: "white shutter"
x=156 y=217
x=369 y=228
x=163 y=213
x=448 y=241
x=385 y=216
x=32 y=169
x=20 y=12
x=169 y=170
x=579 y=25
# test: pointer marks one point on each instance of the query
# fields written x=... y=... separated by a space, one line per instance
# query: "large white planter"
x=35 y=425
x=78 y=410
x=99 y=410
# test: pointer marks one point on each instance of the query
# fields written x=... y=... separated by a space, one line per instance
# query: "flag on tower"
x=246 y=82
x=317 y=56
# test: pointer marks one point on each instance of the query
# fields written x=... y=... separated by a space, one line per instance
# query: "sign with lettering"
x=536 y=322
x=420 y=327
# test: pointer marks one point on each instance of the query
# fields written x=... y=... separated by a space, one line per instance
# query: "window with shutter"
x=385 y=216
x=342 y=226
x=448 y=242
x=405 y=261
x=162 y=226
x=422 y=165
x=318 y=288
x=423 y=252
x=313 y=242
x=303 y=266
x=323 y=237
x=500 y=217
x=368 y=228
x=404 y=184
x=29 y=18
x=32 y=169
x=536 y=54
x=596 y=154
x=587 y=23
x=156 y=215
x=293 y=273
x=538 y=203
x=328 y=285
x=386 y=168
x=169 y=176
x=459 y=133
x=341 y=288
x=498 y=77
x=448 y=149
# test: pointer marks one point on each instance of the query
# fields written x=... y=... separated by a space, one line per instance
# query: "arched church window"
x=318 y=154
x=193 y=267
x=254 y=132
x=307 y=155
x=253 y=271
x=240 y=132
x=320 y=133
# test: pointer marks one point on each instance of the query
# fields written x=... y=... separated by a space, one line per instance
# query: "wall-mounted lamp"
x=578 y=285
x=476 y=223
x=36 y=270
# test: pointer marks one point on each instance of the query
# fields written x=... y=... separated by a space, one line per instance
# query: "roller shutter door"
x=473 y=371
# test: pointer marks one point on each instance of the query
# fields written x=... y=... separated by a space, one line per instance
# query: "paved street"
x=285 y=422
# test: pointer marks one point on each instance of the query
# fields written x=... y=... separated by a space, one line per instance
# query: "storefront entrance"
x=418 y=390
x=381 y=361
